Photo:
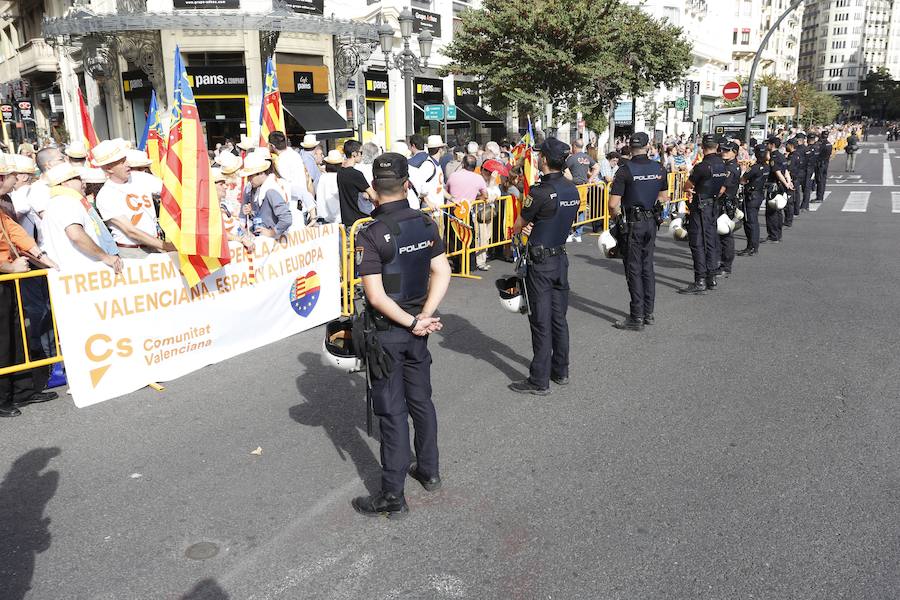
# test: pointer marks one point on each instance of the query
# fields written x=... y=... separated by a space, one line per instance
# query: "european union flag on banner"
x=305 y=293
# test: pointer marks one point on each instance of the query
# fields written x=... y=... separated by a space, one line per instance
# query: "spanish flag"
x=154 y=140
x=189 y=210
x=87 y=128
x=271 y=115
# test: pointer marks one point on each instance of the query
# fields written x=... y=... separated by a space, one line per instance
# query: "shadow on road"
x=24 y=533
x=460 y=336
x=206 y=589
x=590 y=307
x=337 y=404
x=616 y=266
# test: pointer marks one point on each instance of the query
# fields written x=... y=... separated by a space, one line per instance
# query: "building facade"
x=843 y=40
x=752 y=19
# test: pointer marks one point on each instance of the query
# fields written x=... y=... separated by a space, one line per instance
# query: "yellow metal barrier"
x=16 y=279
x=594 y=204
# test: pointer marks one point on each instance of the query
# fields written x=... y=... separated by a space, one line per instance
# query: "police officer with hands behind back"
x=707 y=182
x=728 y=204
x=754 y=181
x=546 y=218
x=779 y=183
x=405 y=274
x=637 y=187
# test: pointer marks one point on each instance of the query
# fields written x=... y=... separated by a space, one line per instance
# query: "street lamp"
x=405 y=61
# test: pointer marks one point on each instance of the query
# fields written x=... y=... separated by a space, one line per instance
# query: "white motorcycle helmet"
x=777 y=202
x=511 y=298
x=337 y=347
x=738 y=215
x=607 y=244
x=724 y=225
x=677 y=229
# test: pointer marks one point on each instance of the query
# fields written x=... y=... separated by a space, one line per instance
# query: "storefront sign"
x=205 y=4
x=210 y=81
x=8 y=114
x=377 y=84
x=136 y=84
x=122 y=332
x=429 y=90
x=25 y=111
x=303 y=83
x=426 y=21
x=307 y=7
x=465 y=92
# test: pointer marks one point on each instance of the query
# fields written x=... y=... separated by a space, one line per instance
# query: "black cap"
x=799 y=135
x=709 y=139
x=774 y=140
x=390 y=165
x=791 y=142
x=760 y=149
x=638 y=140
x=727 y=146
x=812 y=134
x=554 y=149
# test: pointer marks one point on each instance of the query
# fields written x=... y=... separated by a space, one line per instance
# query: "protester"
x=425 y=174
x=74 y=237
x=93 y=180
x=369 y=151
x=291 y=168
x=351 y=183
x=328 y=201
x=229 y=165
x=264 y=206
x=492 y=172
x=311 y=153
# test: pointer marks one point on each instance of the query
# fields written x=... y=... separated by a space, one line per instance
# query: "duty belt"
x=702 y=202
x=539 y=253
x=637 y=214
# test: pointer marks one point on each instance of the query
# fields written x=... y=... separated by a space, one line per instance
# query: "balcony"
x=35 y=56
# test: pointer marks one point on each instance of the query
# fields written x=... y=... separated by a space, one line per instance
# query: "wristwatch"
x=413 y=326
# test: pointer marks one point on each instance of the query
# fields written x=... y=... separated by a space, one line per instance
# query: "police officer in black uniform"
x=405 y=274
x=754 y=181
x=811 y=150
x=796 y=172
x=707 y=182
x=778 y=183
x=800 y=182
x=825 y=149
x=636 y=190
x=728 y=204
x=546 y=218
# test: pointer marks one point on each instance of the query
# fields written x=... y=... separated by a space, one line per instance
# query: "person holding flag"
x=190 y=214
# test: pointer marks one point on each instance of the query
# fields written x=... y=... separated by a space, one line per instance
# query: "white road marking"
x=873 y=150
x=857 y=202
x=887 y=173
x=895 y=202
x=814 y=206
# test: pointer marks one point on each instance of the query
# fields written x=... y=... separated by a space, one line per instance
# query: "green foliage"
x=881 y=99
x=816 y=108
x=574 y=54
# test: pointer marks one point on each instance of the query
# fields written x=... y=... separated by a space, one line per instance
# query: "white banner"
x=144 y=325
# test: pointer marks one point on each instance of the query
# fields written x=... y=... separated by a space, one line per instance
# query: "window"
x=745 y=37
x=834 y=87
x=851 y=86
x=734 y=39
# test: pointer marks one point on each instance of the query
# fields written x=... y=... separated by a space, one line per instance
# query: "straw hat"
x=23 y=164
x=228 y=163
x=137 y=159
x=76 y=150
x=93 y=175
x=5 y=165
x=400 y=147
x=255 y=163
x=62 y=173
x=334 y=157
x=216 y=175
x=108 y=152
x=309 y=141
x=434 y=141
x=246 y=143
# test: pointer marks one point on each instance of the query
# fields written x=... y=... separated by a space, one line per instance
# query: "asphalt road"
x=744 y=447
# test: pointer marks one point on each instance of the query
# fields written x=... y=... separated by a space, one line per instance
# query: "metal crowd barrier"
x=24 y=324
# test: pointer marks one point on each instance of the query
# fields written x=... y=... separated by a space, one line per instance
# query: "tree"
x=880 y=99
x=572 y=54
x=812 y=106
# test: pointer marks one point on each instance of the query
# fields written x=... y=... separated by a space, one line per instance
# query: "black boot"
x=382 y=504
x=9 y=410
x=630 y=324
x=649 y=320
x=696 y=288
x=431 y=484
x=711 y=283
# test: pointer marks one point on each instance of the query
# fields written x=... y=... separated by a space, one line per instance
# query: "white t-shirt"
x=62 y=211
x=39 y=195
x=328 y=204
x=429 y=181
x=132 y=201
x=291 y=168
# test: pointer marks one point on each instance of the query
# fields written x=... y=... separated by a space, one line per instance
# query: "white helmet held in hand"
x=337 y=348
x=677 y=229
x=724 y=225
x=778 y=202
x=607 y=244
x=511 y=297
x=738 y=215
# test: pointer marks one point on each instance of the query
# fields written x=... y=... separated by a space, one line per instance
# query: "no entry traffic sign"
x=732 y=90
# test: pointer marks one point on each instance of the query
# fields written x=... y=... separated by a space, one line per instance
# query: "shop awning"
x=320 y=119
x=450 y=122
x=476 y=113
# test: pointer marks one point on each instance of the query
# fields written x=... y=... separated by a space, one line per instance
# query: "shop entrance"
x=223 y=118
x=377 y=130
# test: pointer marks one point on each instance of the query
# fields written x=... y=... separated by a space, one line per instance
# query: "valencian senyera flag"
x=189 y=212
x=87 y=127
x=271 y=115
x=524 y=150
x=154 y=140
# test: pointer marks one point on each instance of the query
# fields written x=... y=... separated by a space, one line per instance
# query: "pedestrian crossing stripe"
x=814 y=206
x=857 y=202
x=873 y=150
x=895 y=202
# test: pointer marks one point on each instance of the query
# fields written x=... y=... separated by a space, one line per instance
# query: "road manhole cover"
x=201 y=550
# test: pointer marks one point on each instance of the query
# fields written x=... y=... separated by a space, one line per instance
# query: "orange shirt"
x=22 y=240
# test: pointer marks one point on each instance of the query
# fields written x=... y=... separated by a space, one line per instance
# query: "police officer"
x=637 y=187
x=812 y=159
x=546 y=218
x=801 y=184
x=754 y=181
x=707 y=182
x=778 y=183
x=824 y=159
x=796 y=171
x=728 y=204
x=405 y=274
